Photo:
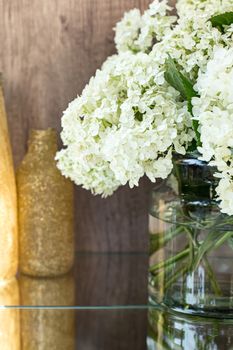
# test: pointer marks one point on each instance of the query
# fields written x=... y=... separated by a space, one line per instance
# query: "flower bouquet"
x=164 y=104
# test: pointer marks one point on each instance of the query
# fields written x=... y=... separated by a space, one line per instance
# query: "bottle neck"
x=43 y=142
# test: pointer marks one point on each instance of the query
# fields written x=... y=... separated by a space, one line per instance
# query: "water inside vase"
x=191 y=254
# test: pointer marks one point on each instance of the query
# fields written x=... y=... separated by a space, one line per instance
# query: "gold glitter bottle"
x=45 y=210
x=44 y=328
x=9 y=317
x=8 y=204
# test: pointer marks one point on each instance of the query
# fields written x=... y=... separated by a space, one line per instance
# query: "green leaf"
x=138 y=114
x=225 y=19
x=195 y=128
x=178 y=80
x=182 y=84
x=212 y=241
x=192 y=147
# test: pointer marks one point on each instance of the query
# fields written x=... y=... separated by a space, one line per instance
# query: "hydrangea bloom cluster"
x=123 y=126
x=214 y=110
x=192 y=8
x=191 y=43
x=137 y=32
x=129 y=120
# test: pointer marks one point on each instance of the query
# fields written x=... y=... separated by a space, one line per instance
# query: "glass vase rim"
x=174 y=202
x=191 y=158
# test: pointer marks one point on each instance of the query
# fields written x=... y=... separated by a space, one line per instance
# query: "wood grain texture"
x=111 y=330
x=111 y=279
x=107 y=280
x=49 y=50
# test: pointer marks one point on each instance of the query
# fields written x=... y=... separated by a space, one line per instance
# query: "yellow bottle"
x=45 y=210
x=8 y=202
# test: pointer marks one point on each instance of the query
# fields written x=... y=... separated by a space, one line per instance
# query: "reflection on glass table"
x=101 y=305
x=112 y=328
x=9 y=318
x=96 y=280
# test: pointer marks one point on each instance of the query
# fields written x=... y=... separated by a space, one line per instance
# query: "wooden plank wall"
x=49 y=50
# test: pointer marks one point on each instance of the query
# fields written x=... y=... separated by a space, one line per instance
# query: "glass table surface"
x=102 y=304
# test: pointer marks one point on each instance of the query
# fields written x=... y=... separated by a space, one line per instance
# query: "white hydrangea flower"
x=193 y=8
x=127 y=31
x=137 y=32
x=123 y=126
x=128 y=120
x=191 y=44
x=214 y=110
x=225 y=192
x=204 y=10
x=155 y=24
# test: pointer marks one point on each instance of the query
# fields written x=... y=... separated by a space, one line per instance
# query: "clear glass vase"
x=191 y=243
x=172 y=331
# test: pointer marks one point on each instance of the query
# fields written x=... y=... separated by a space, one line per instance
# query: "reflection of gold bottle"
x=45 y=210
x=9 y=318
x=44 y=329
x=8 y=206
